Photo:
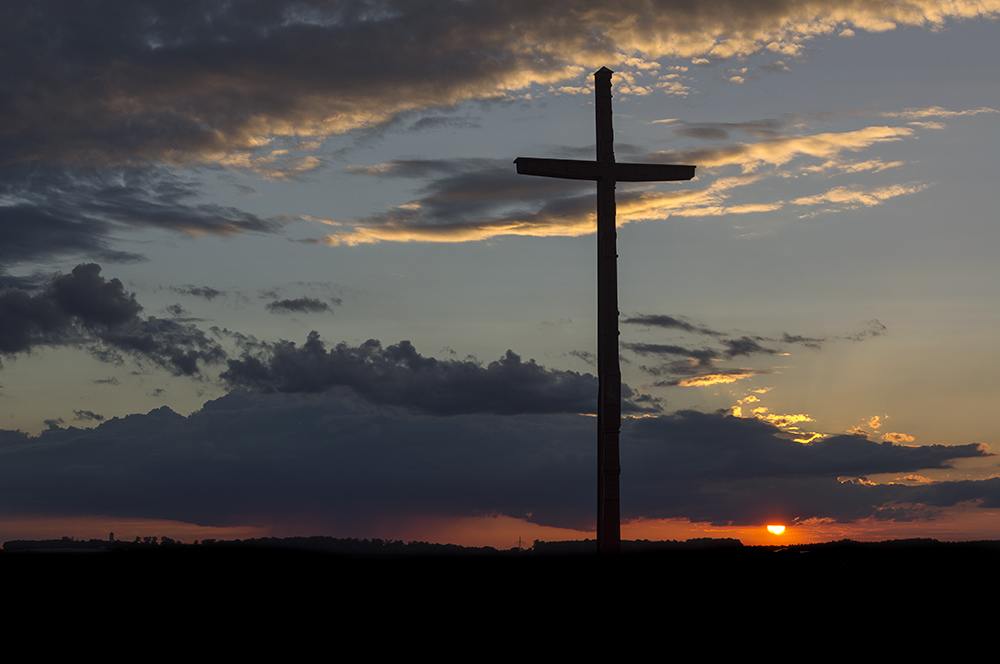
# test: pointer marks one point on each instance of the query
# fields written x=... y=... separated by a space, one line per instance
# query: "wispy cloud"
x=48 y=211
x=477 y=199
x=299 y=305
x=698 y=363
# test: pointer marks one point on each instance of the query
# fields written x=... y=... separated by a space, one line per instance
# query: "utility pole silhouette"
x=606 y=172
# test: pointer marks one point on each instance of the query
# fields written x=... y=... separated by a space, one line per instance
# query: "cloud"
x=700 y=367
x=88 y=416
x=742 y=471
x=194 y=83
x=206 y=292
x=852 y=197
x=935 y=112
x=101 y=104
x=48 y=211
x=300 y=305
x=398 y=375
x=668 y=322
x=477 y=199
x=781 y=150
x=472 y=199
x=745 y=346
x=68 y=308
x=85 y=309
x=702 y=357
x=331 y=458
x=178 y=347
x=704 y=380
x=768 y=128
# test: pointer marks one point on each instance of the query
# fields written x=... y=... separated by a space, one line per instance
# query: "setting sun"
x=775 y=530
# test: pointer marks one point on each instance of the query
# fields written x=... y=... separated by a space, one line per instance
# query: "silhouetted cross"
x=606 y=171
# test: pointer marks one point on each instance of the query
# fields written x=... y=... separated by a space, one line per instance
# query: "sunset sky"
x=266 y=268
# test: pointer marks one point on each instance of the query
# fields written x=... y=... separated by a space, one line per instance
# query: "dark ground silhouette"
x=428 y=594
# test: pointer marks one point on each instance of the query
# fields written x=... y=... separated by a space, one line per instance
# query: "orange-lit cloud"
x=717 y=378
x=786 y=422
x=935 y=112
x=915 y=479
x=856 y=196
x=780 y=151
x=463 y=205
x=780 y=420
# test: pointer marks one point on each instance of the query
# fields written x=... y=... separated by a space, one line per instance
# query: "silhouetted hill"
x=708 y=554
x=424 y=588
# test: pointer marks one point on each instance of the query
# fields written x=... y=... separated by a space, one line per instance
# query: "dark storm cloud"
x=178 y=347
x=400 y=376
x=64 y=310
x=250 y=458
x=85 y=309
x=298 y=305
x=184 y=80
x=730 y=470
x=195 y=81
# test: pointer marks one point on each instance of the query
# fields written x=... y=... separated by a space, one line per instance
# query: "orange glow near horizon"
x=124 y=529
x=776 y=529
x=961 y=523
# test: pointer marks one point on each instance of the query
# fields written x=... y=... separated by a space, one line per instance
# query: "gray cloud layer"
x=249 y=459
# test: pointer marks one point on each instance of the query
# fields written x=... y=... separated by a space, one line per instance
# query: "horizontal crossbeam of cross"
x=577 y=169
